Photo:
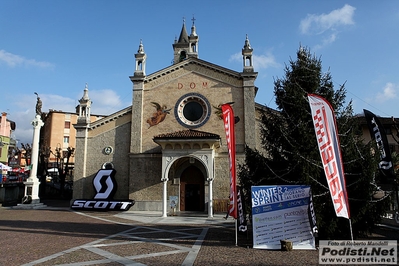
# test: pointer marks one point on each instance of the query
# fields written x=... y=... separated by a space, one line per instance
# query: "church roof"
x=106 y=119
x=183 y=38
x=187 y=134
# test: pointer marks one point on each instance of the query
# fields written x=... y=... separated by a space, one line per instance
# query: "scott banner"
x=327 y=139
x=105 y=185
x=282 y=213
x=242 y=216
x=377 y=133
x=228 y=118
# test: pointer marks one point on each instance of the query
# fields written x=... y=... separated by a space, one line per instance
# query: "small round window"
x=192 y=110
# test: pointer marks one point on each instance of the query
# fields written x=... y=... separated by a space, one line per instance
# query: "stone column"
x=165 y=197
x=210 y=202
x=32 y=183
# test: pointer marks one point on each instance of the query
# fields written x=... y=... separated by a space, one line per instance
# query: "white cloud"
x=324 y=22
x=13 y=60
x=105 y=102
x=259 y=61
x=327 y=25
x=330 y=39
x=389 y=93
x=27 y=103
x=26 y=112
x=326 y=41
x=24 y=130
x=265 y=61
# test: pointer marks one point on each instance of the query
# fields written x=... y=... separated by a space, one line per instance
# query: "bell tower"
x=138 y=79
x=82 y=129
x=247 y=56
x=193 y=41
x=84 y=107
x=140 y=61
x=249 y=76
x=186 y=46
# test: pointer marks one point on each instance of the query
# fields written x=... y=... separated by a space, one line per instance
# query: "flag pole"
x=236 y=219
x=350 y=226
x=236 y=233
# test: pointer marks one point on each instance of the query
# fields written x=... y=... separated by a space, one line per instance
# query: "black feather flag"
x=377 y=133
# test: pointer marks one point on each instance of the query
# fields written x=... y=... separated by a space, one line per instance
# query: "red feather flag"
x=325 y=127
x=228 y=118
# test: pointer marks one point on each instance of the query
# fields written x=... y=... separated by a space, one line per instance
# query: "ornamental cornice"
x=110 y=118
x=194 y=65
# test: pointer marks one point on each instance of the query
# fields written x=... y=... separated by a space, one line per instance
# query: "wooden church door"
x=192 y=190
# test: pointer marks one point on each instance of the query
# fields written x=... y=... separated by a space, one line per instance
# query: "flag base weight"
x=286 y=245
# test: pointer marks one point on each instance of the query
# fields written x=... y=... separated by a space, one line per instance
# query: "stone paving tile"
x=167 y=260
x=28 y=235
x=78 y=256
x=131 y=243
x=60 y=236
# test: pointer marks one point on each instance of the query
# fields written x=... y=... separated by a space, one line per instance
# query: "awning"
x=5 y=167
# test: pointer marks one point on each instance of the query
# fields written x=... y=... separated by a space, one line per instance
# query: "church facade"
x=170 y=143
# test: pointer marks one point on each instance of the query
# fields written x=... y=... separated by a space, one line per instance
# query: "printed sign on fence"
x=281 y=213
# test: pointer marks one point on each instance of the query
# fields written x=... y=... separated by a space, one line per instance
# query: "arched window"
x=182 y=56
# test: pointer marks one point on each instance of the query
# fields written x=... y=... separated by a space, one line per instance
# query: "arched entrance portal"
x=192 y=189
x=188 y=161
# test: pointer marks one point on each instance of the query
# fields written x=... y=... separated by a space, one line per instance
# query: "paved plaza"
x=55 y=235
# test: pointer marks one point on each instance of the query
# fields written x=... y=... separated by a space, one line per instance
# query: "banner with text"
x=281 y=213
x=330 y=152
x=242 y=216
x=228 y=118
x=377 y=132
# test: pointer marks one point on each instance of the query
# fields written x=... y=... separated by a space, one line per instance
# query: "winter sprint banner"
x=282 y=213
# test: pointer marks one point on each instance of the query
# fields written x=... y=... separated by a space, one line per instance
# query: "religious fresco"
x=159 y=115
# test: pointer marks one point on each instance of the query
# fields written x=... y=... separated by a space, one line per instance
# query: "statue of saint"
x=38 y=105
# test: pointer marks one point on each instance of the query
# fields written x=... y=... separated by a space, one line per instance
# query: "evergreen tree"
x=291 y=154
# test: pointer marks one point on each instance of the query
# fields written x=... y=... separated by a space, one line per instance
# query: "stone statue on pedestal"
x=38 y=105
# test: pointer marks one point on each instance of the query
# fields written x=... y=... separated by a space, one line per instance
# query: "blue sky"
x=55 y=47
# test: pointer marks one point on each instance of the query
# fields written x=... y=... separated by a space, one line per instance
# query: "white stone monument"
x=32 y=183
x=31 y=199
